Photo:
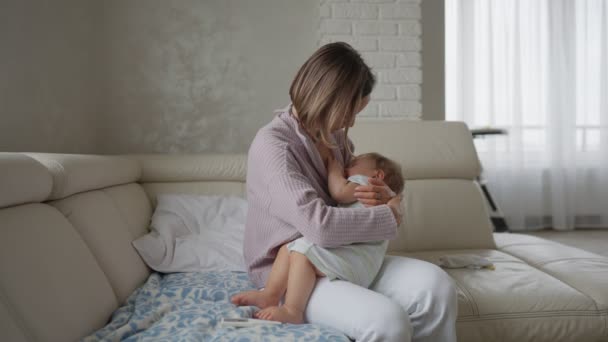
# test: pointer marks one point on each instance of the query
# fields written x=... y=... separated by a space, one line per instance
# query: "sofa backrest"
x=443 y=204
x=210 y=174
x=67 y=222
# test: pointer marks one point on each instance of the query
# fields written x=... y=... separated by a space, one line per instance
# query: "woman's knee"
x=444 y=287
x=436 y=309
x=423 y=289
x=440 y=300
x=392 y=323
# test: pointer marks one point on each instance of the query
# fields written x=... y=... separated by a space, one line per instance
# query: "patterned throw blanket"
x=189 y=307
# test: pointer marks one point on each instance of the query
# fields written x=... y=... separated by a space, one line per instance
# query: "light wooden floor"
x=593 y=240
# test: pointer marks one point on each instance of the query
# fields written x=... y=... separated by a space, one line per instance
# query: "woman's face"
x=362 y=106
x=364 y=103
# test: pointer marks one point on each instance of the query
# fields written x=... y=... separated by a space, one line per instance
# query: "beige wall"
x=136 y=76
x=147 y=75
x=48 y=75
x=197 y=76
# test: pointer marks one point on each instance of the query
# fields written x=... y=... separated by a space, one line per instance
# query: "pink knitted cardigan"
x=288 y=198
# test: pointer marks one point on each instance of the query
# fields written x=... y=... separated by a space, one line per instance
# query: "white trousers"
x=410 y=300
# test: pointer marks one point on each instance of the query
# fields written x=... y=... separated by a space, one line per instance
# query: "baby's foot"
x=282 y=314
x=262 y=299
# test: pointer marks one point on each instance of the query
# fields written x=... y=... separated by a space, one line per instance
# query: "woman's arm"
x=294 y=200
x=341 y=190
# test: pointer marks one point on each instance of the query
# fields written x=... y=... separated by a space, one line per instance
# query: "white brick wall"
x=387 y=33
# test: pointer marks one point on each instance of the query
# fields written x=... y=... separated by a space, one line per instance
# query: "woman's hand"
x=376 y=193
x=379 y=193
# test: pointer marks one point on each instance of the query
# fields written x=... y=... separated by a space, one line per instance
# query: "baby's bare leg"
x=301 y=281
x=275 y=285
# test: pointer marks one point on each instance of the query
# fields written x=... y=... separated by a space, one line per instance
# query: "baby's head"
x=376 y=165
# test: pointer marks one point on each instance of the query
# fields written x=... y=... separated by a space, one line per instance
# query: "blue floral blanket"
x=189 y=307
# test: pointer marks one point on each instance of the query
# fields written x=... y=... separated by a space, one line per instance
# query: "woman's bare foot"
x=262 y=299
x=282 y=314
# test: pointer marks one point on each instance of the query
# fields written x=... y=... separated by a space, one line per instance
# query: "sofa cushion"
x=51 y=284
x=218 y=188
x=74 y=173
x=222 y=175
x=518 y=302
x=582 y=270
x=443 y=214
x=107 y=231
x=133 y=205
x=11 y=329
x=564 y=328
x=22 y=180
x=537 y=251
x=443 y=207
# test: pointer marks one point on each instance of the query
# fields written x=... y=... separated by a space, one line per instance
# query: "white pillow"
x=192 y=233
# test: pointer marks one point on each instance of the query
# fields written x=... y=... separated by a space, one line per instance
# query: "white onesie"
x=357 y=263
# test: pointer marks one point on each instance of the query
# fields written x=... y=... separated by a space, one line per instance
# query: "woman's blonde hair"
x=329 y=88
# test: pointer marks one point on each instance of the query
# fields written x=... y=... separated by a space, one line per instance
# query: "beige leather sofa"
x=67 y=222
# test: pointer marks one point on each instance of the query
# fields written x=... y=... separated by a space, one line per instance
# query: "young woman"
x=289 y=198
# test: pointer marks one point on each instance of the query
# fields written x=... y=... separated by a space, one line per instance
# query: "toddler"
x=299 y=263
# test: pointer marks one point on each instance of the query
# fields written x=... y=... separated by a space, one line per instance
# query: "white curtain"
x=538 y=68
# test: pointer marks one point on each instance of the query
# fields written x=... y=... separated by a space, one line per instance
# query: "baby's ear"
x=380 y=174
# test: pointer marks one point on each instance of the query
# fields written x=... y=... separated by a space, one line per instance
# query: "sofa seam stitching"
x=555 y=312
x=115 y=205
x=469 y=296
x=523 y=315
x=567 y=259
